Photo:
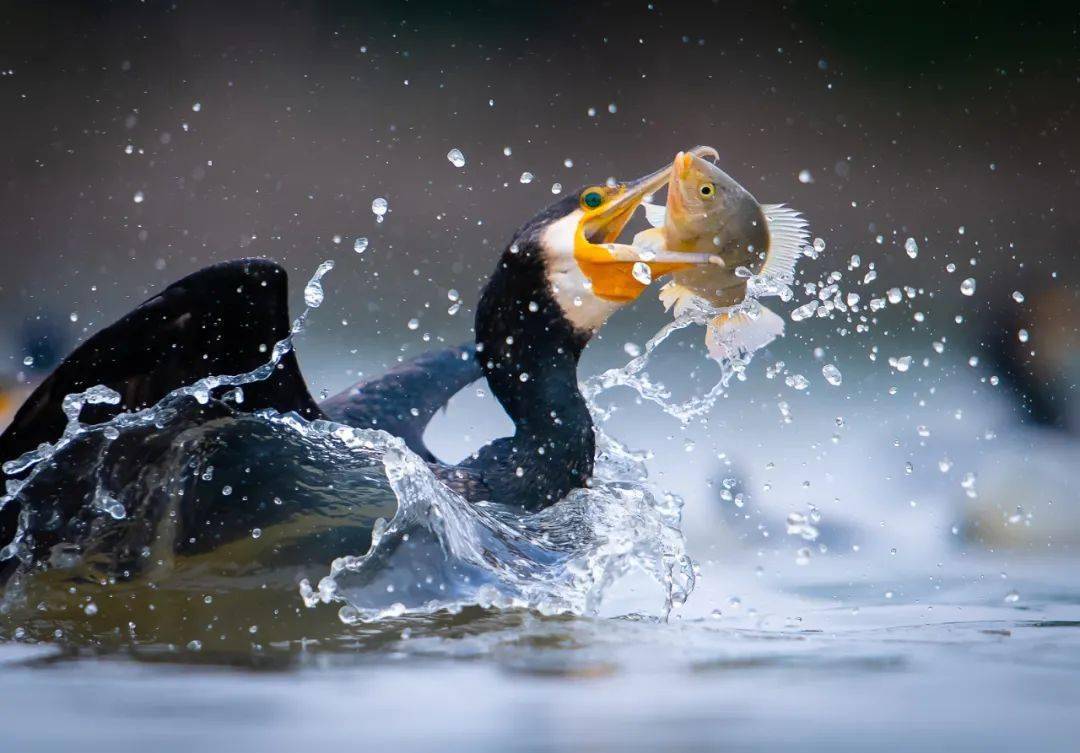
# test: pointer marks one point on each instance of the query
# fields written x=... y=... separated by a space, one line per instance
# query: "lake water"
x=810 y=663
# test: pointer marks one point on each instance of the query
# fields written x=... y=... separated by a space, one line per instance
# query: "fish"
x=708 y=211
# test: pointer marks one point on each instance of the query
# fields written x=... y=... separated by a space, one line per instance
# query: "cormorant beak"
x=604 y=212
x=606 y=222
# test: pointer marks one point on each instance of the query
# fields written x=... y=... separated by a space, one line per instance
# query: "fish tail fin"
x=732 y=334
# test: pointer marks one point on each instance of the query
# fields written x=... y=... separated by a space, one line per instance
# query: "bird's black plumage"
x=529 y=353
x=403 y=400
x=225 y=319
x=220 y=320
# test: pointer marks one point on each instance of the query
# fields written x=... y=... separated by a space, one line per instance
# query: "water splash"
x=201 y=391
x=437 y=552
x=442 y=553
x=699 y=312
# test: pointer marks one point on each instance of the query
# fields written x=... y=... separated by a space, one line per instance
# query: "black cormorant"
x=556 y=283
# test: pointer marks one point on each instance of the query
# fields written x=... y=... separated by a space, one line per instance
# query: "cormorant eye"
x=592 y=199
x=707 y=189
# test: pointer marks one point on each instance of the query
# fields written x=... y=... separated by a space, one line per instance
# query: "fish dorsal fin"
x=787 y=236
x=655 y=214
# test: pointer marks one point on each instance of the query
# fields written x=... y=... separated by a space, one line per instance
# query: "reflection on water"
x=960 y=669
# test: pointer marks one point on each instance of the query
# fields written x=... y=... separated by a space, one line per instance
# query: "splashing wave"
x=434 y=552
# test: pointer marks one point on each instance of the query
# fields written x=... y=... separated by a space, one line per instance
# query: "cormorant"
x=555 y=284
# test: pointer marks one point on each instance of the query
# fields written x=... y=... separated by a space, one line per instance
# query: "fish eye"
x=707 y=189
x=592 y=198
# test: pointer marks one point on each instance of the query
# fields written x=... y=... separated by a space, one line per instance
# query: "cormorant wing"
x=223 y=319
x=404 y=400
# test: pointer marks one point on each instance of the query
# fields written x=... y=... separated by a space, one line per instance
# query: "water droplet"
x=226 y=490
x=507 y=151
x=911 y=247
x=256 y=533
x=805 y=311
x=556 y=188
x=631 y=349
x=414 y=324
x=805 y=176
x=360 y=245
x=28 y=361
x=968 y=484
x=642 y=273
x=797 y=381
x=1018 y=296
x=901 y=364
x=138 y=197
x=1012 y=597
x=568 y=162
x=457 y=159
x=380 y=207
x=832 y=374
x=526 y=177
x=313 y=291
x=106 y=503
x=90 y=609
x=967 y=287
x=1022 y=335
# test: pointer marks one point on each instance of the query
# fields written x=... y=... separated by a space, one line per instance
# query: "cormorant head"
x=575 y=239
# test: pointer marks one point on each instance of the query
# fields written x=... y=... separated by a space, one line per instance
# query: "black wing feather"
x=211 y=322
x=403 y=400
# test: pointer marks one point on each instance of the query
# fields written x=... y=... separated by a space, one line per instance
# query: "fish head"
x=707 y=209
x=587 y=276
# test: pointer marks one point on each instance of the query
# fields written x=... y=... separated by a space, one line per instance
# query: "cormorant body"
x=210 y=475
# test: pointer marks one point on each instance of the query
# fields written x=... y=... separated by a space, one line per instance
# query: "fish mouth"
x=606 y=223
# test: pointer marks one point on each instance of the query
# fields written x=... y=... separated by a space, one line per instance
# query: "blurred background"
x=142 y=141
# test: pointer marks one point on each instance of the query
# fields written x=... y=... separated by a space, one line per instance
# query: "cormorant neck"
x=529 y=353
